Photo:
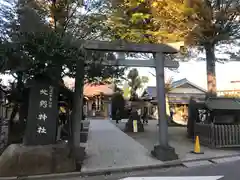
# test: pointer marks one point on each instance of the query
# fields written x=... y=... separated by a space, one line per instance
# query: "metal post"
x=161 y=100
x=162 y=151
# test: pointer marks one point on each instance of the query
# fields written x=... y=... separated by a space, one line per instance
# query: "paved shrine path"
x=108 y=147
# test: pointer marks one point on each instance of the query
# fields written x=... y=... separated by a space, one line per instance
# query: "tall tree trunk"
x=211 y=72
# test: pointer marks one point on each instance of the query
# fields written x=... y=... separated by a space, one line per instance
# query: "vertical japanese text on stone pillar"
x=42 y=114
x=45 y=103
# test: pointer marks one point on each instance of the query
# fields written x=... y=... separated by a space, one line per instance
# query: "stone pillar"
x=42 y=117
x=162 y=151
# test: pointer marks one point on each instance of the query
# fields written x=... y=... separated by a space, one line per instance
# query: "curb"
x=167 y=164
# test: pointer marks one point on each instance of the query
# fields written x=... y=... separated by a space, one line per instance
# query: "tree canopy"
x=192 y=21
x=204 y=23
x=215 y=22
x=33 y=46
x=135 y=82
x=45 y=38
x=150 y=21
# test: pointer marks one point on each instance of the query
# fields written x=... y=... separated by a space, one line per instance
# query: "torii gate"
x=162 y=151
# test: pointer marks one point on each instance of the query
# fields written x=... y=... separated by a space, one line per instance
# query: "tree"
x=215 y=22
x=32 y=47
x=202 y=23
x=135 y=82
x=149 y=21
x=36 y=47
x=36 y=12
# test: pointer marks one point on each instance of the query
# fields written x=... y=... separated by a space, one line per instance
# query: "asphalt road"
x=223 y=171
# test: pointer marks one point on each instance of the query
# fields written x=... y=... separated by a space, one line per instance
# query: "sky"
x=195 y=72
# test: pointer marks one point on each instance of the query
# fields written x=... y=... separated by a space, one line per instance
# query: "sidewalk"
x=177 y=139
x=108 y=147
x=110 y=150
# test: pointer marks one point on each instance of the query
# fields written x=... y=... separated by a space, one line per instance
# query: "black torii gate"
x=162 y=151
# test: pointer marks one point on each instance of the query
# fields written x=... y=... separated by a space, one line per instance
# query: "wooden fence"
x=217 y=136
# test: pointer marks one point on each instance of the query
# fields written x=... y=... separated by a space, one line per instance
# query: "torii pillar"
x=161 y=151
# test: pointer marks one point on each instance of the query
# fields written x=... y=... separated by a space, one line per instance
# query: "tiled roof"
x=184 y=81
x=152 y=91
x=223 y=103
x=179 y=82
x=91 y=90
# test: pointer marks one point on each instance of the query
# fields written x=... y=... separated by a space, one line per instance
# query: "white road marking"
x=175 y=178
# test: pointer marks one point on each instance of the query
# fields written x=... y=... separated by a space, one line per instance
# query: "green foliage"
x=215 y=21
x=33 y=47
x=136 y=82
x=5 y=14
x=196 y=21
x=205 y=23
x=150 y=21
